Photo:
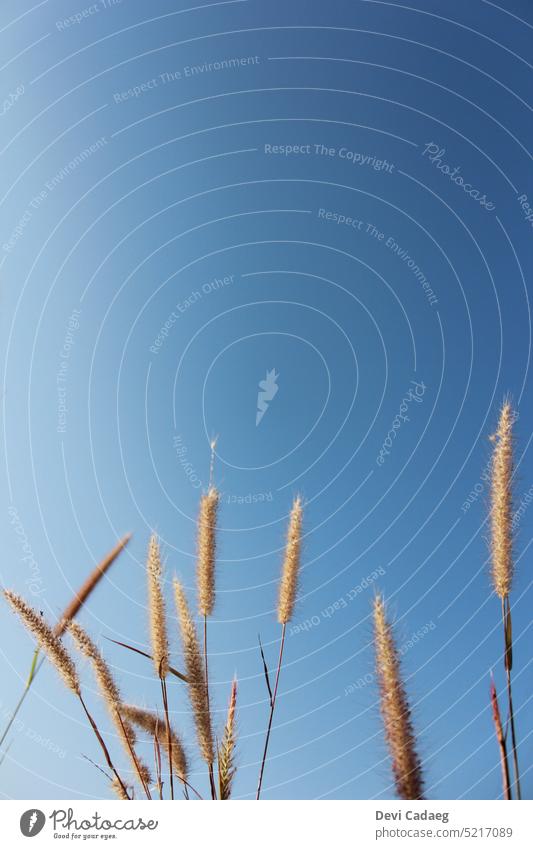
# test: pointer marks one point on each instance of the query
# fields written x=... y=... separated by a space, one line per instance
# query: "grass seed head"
x=291 y=565
x=395 y=709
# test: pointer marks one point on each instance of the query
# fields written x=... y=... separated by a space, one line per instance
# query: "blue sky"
x=192 y=198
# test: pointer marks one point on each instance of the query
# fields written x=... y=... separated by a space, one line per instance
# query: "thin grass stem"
x=272 y=708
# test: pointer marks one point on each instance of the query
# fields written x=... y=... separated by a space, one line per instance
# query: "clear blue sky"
x=190 y=199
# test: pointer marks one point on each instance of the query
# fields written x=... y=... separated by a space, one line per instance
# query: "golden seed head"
x=195 y=674
x=501 y=504
x=47 y=640
x=111 y=696
x=118 y=789
x=205 y=569
x=226 y=752
x=150 y=722
x=291 y=565
x=395 y=709
x=158 y=621
x=86 y=589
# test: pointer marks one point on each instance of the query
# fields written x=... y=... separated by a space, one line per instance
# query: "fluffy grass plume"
x=111 y=696
x=291 y=564
x=195 y=674
x=88 y=586
x=150 y=722
x=226 y=752
x=501 y=503
x=47 y=640
x=156 y=604
x=205 y=570
x=119 y=790
x=395 y=709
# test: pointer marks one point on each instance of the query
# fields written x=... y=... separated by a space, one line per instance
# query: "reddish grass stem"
x=103 y=745
x=169 y=734
x=272 y=708
x=502 y=741
x=507 y=630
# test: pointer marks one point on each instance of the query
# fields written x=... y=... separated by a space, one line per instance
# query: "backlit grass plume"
x=56 y=652
x=395 y=709
x=119 y=789
x=291 y=564
x=48 y=641
x=89 y=585
x=156 y=605
x=195 y=674
x=112 y=699
x=226 y=751
x=501 y=503
x=150 y=722
x=205 y=570
x=501 y=550
x=69 y=613
x=287 y=598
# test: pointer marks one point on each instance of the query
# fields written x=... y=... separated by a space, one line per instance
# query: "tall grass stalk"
x=196 y=682
x=69 y=613
x=205 y=571
x=159 y=636
x=51 y=644
x=286 y=601
x=501 y=550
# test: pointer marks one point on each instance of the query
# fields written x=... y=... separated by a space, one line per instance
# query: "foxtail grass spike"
x=112 y=699
x=156 y=604
x=195 y=674
x=395 y=710
x=501 y=503
x=119 y=790
x=88 y=586
x=291 y=564
x=48 y=641
x=226 y=751
x=150 y=722
x=205 y=570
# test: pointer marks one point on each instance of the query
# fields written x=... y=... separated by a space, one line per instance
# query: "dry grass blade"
x=291 y=564
x=265 y=669
x=48 y=641
x=395 y=709
x=149 y=656
x=112 y=699
x=226 y=752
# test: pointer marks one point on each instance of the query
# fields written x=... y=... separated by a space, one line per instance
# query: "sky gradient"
x=334 y=199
